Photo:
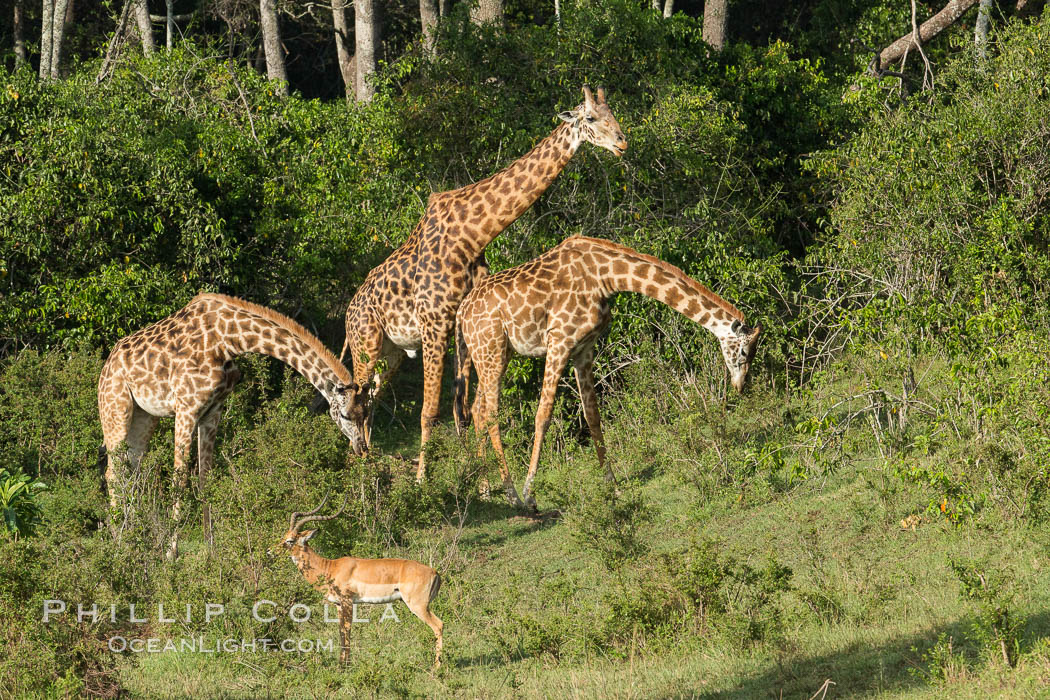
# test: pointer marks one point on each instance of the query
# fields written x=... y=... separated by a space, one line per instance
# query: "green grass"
x=868 y=599
x=897 y=593
x=796 y=533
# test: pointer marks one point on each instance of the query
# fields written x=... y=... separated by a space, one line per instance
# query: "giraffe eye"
x=589 y=119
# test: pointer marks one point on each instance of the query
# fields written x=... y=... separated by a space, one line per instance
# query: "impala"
x=349 y=580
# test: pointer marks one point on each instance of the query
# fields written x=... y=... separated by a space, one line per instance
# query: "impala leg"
x=346 y=616
x=557 y=358
x=584 y=365
x=422 y=611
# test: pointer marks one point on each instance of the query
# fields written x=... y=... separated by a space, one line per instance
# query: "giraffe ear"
x=567 y=116
x=588 y=97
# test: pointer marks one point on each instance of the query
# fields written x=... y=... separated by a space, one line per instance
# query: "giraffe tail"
x=461 y=384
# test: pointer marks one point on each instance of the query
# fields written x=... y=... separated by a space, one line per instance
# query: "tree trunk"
x=668 y=8
x=47 y=27
x=114 y=43
x=366 y=34
x=271 y=35
x=169 y=24
x=980 y=31
x=145 y=27
x=949 y=15
x=59 y=19
x=18 y=29
x=428 y=17
x=487 y=12
x=342 y=47
x=715 y=16
x=443 y=7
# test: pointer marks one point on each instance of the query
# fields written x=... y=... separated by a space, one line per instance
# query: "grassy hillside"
x=739 y=556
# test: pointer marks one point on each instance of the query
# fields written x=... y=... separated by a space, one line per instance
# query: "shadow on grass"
x=861 y=669
x=516 y=523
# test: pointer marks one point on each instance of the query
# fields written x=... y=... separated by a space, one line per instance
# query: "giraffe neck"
x=252 y=328
x=621 y=269
x=509 y=193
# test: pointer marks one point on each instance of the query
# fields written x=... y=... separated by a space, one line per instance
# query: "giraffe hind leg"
x=584 y=365
x=557 y=358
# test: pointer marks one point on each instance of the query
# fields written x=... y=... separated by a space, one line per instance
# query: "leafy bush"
x=18 y=503
x=937 y=208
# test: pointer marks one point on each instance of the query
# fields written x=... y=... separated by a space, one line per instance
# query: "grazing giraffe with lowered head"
x=183 y=366
x=410 y=300
x=556 y=306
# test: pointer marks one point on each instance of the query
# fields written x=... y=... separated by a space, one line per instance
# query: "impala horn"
x=310 y=517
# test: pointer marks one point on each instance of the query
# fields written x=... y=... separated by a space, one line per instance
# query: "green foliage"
x=18 y=503
x=937 y=213
x=998 y=627
x=179 y=174
x=609 y=521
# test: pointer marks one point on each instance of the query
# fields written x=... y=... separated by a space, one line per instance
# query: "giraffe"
x=409 y=302
x=183 y=366
x=556 y=306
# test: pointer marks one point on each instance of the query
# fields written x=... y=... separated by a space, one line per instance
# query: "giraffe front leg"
x=125 y=448
x=365 y=342
x=185 y=423
x=206 y=430
x=486 y=416
x=389 y=363
x=584 y=365
x=435 y=339
x=557 y=358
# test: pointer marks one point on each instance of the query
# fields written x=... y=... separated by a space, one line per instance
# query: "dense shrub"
x=939 y=207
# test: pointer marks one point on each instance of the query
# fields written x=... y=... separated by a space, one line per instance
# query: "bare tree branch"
x=949 y=15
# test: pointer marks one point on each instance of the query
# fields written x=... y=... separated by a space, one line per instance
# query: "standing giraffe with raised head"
x=410 y=300
x=556 y=306
x=183 y=366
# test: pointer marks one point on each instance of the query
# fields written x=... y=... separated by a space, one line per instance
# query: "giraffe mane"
x=666 y=267
x=293 y=327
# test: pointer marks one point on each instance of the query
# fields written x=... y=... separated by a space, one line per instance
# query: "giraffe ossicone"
x=182 y=366
x=556 y=306
x=409 y=301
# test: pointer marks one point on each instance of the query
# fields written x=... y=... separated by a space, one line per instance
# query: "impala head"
x=594 y=122
x=738 y=349
x=295 y=538
x=349 y=410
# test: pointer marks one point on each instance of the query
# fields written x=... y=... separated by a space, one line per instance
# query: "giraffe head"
x=594 y=122
x=738 y=349
x=348 y=410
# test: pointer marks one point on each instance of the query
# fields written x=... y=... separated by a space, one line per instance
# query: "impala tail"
x=435 y=586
